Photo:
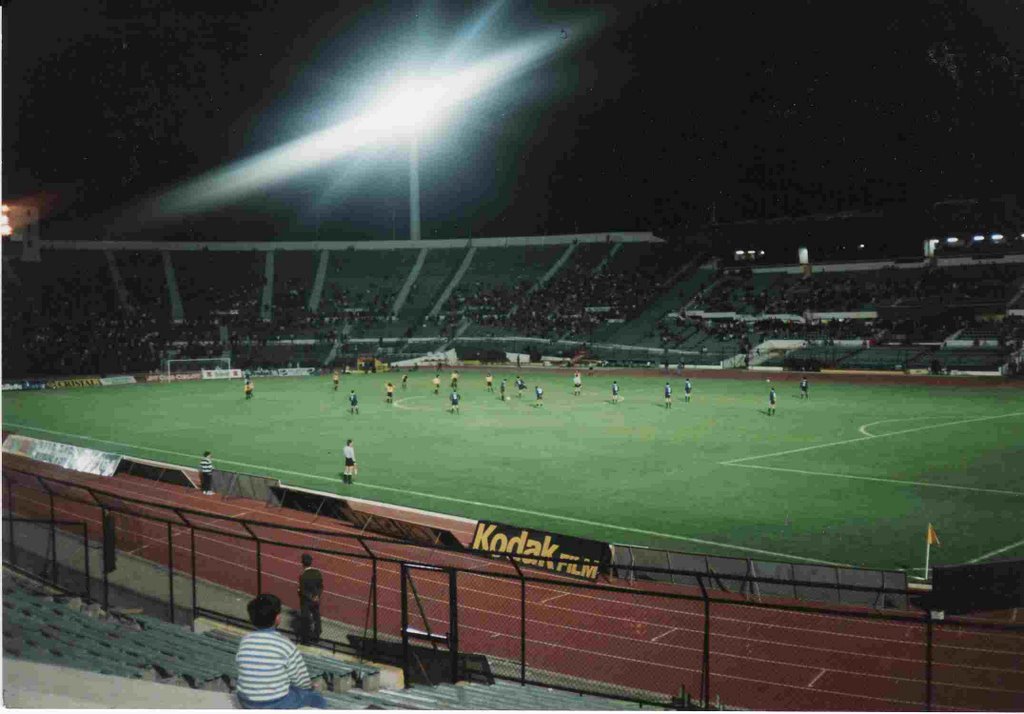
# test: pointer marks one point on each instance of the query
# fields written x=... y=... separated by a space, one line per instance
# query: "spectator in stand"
x=271 y=673
x=311 y=587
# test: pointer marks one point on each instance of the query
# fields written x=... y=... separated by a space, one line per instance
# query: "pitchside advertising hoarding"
x=221 y=374
x=577 y=557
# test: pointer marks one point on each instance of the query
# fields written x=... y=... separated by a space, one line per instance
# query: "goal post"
x=177 y=366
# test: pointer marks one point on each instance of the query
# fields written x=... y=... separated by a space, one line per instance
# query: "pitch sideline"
x=510 y=509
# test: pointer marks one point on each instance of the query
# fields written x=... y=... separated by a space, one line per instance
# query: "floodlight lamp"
x=414 y=105
x=997 y=236
x=951 y=240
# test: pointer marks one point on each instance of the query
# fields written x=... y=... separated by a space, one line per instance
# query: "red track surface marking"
x=760 y=659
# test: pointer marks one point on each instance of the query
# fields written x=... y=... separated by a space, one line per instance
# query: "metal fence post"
x=88 y=577
x=170 y=570
x=192 y=532
x=53 y=541
x=453 y=621
x=705 y=675
x=259 y=568
x=522 y=620
x=928 y=665
x=404 y=594
x=373 y=586
x=10 y=521
x=106 y=575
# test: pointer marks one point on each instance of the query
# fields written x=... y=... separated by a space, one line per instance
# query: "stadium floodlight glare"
x=952 y=239
x=997 y=237
x=979 y=238
x=405 y=109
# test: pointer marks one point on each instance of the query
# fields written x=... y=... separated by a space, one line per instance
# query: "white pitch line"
x=816 y=678
x=864 y=428
x=466 y=502
x=893 y=482
x=997 y=552
x=553 y=597
x=666 y=632
x=733 y=462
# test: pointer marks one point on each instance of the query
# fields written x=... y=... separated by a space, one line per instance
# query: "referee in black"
x=311 y=587
x=206 y=473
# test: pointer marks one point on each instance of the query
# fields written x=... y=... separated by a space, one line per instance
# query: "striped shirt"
x=267 y=664
x=206 y=465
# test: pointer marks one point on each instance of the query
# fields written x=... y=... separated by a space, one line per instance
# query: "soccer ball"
x=768 y=380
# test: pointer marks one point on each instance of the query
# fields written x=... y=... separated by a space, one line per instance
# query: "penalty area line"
x=802 y=449
x=997 y=552
x=450 y=499
x=894 y=482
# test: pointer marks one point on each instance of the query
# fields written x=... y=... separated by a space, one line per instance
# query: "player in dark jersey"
x=455 y=402
x=405 y=381
x=668 y=395
x=687 y=388
x=772 y=399
x=803 y=388
x=353 y=402
x=615 y=392
x=520 y=386
x=539 y=391
x=501 y=387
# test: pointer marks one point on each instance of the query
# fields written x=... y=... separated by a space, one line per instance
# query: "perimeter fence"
x=444 y=614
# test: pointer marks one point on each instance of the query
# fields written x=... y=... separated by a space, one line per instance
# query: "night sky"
x=661 y=110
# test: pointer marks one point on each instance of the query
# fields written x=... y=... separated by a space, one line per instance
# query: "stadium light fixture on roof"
x=952 y=239
x=997 y=237
x=979 y=239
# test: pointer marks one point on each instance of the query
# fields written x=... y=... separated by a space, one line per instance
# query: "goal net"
x=177 y=366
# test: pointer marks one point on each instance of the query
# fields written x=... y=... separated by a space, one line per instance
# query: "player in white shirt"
x=350 y=463
x=577 y=384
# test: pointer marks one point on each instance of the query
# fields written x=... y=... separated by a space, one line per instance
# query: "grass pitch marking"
x=996 y=552
x=510 y=509
x=734 y=462
x=894 y=482
x=864 y=428
x=741 y=462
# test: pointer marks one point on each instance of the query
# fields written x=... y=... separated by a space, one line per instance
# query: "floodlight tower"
x=414 y=187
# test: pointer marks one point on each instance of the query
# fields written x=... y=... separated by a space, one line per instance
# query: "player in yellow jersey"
x=335 y=377
x=490 y=382
x=437 y=384
x=390 y=399
x=248 y=389
x=455 y=379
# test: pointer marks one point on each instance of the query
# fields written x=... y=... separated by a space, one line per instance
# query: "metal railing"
x=442 y=613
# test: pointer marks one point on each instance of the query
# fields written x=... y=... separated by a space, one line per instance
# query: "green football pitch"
x=852 y=475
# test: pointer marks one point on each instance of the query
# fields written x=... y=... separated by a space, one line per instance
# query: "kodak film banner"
x=567 y=555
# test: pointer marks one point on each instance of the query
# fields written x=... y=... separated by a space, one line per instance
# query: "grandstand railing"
x=600 y=639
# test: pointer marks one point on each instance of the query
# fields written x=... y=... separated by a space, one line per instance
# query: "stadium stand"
x=46 y=628
x=64 y=631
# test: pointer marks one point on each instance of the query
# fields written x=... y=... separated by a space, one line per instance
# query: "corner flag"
x=932 y=537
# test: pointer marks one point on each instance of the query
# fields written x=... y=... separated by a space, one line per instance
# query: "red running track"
x=760 y=658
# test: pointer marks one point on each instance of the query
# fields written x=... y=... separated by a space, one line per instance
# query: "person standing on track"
x=206 y=473
x=311 y=587
x=803 y=388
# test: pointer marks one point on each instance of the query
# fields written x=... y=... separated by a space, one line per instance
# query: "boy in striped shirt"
x=271 y=673
x=206 y=473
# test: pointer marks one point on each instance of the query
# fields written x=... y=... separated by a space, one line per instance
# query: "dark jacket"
x=311 y=584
